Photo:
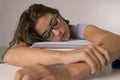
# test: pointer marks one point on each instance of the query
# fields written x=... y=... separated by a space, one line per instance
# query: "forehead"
x=43 y=23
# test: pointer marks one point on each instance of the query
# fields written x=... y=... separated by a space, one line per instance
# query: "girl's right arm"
x=22 y=55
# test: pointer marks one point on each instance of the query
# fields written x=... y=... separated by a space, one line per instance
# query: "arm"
x=41 y=72
x=110 y=42
x=80 y=70
x=22 y=55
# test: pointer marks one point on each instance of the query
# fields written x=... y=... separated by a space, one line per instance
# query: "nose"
x=57 y=33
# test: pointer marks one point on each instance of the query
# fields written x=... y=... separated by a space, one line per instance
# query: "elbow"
x=8 y=56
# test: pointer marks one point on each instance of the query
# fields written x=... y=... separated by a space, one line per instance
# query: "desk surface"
x=7 y=72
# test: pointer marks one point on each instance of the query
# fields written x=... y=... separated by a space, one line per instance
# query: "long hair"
x=25 y=31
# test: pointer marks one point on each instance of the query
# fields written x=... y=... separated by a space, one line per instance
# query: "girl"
x=41 y=23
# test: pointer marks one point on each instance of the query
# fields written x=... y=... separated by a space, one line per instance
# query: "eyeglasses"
x=47 y=35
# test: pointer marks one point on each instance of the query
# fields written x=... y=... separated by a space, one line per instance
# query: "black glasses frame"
x=49 y=31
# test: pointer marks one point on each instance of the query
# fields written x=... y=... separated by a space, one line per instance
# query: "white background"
x=102 y=13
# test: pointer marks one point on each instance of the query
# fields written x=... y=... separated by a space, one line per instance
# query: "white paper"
x=61 y=45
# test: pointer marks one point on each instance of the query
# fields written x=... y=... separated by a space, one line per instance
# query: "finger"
x=105 y=54
x=101 y=58
x=33 y=76
x=39 y=67
x=19 y=74
x=26 y=77
x=49 y=78
x=95 y=58
x=98 y=43
x=86 y=58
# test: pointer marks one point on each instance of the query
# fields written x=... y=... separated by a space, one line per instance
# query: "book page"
x=61 y=45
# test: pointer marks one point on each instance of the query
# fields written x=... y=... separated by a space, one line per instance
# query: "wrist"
x=60 y=56
x=69 y=57
x=78 y=70
x=66 y=57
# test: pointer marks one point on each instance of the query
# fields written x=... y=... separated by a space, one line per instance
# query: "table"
x=7 y=72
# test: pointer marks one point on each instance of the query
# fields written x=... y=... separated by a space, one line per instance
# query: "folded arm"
x=22 y=55
x=110 y=42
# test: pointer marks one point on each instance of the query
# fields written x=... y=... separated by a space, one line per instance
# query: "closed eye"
x=55 y=23
x=47 y=35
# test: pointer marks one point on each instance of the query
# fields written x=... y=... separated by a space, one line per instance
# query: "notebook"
x=61 y=45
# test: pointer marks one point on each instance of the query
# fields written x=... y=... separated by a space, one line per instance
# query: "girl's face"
x=52 y=28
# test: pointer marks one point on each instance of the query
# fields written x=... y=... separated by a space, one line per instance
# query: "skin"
x=87 y=54
x=95 y=56
x=58 y=33
x=41 y=72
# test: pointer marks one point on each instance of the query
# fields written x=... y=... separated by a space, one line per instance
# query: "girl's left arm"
x=109 y=40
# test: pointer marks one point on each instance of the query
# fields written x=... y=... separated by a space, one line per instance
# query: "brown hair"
x=25 y=31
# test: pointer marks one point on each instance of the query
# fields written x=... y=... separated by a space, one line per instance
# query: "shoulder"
x=94 y=29
x=94 y=33
x=21 y=44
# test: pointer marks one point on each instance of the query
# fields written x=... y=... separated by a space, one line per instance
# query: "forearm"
x=24 y=56
x=78 y=70
x=109 y=40
x=112 y=44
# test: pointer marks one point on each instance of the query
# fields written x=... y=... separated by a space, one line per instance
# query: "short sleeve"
x=2 y=53
x=78 y=30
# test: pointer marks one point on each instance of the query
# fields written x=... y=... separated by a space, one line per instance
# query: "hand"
x=40 y=72
x=94 y=55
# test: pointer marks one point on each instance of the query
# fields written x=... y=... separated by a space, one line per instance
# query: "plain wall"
x=1 y=31
x=102 y=13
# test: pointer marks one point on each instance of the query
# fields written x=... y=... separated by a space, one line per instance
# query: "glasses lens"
x=53 y=24
x=48 y=36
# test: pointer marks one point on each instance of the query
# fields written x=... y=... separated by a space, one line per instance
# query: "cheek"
x=66 y=29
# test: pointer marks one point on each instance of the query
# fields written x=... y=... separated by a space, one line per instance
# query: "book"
x=71 y=44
